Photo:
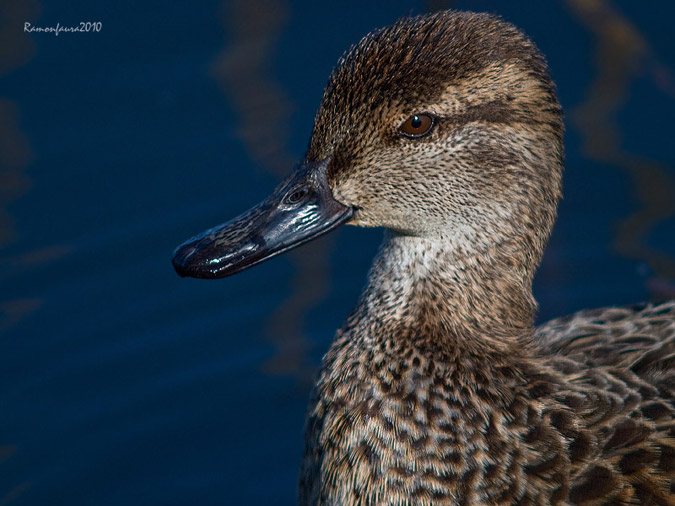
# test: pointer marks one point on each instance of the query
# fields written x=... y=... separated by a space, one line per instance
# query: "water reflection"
x=244 y=71
x=6 y=452
x=16 y=49
x=621 y=55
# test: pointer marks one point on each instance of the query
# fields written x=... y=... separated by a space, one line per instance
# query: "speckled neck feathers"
x=483 y=300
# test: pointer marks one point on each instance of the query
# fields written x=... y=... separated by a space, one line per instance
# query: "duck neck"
x=422 y=285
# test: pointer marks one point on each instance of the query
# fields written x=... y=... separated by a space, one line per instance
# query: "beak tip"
x=192 y=260
x=181 y=259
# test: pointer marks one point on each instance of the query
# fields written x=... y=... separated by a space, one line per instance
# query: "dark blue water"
x=124 y=384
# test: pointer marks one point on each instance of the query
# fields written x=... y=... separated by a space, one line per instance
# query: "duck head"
x=445 y=127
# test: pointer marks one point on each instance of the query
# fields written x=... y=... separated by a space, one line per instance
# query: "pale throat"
x=484 y=292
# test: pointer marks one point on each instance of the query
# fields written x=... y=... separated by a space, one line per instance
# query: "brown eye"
x=417 y=125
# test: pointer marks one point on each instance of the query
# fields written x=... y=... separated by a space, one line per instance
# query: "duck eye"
x=296 y=196
x=417 y=125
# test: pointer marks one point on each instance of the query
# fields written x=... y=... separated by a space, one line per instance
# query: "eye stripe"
x=495 y=111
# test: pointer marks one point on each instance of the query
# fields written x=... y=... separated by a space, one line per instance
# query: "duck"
x=446 y=130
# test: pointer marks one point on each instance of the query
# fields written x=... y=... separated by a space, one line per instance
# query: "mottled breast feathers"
x=413 y=422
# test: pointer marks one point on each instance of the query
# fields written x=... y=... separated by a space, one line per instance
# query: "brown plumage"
x=446 y=130
x=438 y=389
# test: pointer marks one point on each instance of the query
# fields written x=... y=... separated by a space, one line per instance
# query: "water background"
x=122 y=383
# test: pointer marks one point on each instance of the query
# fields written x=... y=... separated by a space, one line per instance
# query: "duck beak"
x=299 y=210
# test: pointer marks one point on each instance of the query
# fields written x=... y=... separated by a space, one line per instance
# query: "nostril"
x=296 y=196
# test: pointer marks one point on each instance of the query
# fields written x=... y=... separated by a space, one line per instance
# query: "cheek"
x=398 y=187
x=418 y=186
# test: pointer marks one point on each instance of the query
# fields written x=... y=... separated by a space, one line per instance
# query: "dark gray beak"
x=299 y=210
